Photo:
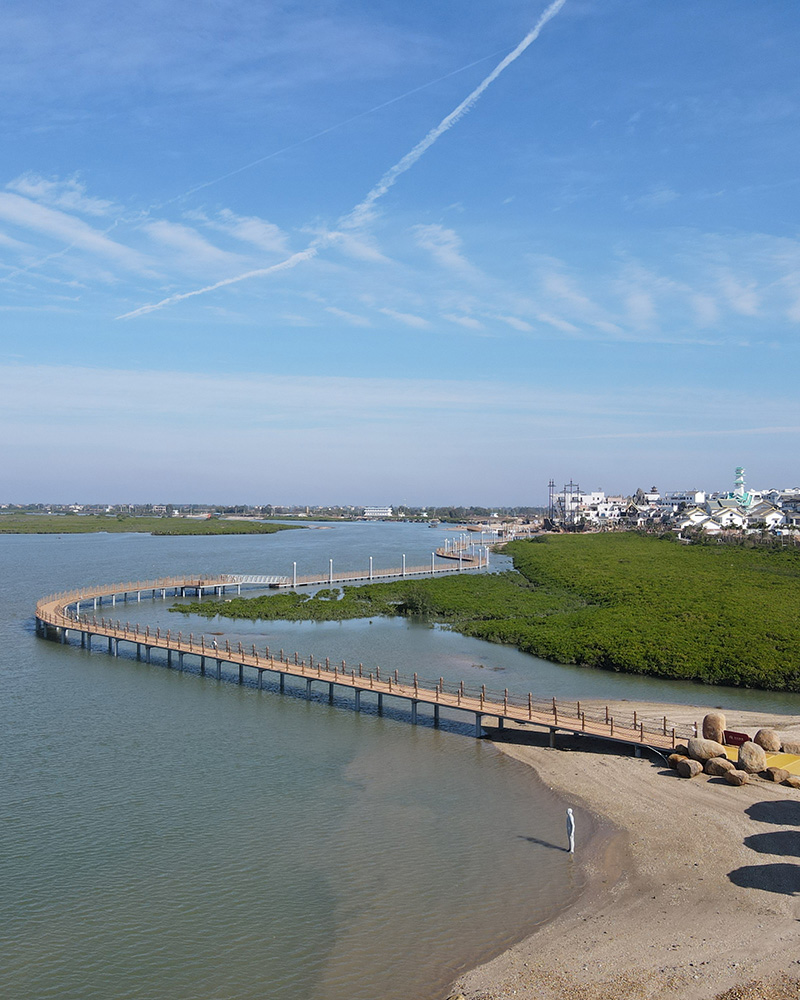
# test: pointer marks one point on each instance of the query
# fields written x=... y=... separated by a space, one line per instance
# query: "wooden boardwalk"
x=62 y=616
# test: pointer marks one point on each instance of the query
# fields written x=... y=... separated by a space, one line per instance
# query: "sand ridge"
x=693 y=887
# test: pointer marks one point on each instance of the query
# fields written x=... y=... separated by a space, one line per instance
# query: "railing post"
x=530 y=705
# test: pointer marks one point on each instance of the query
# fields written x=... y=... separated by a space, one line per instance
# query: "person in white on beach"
x=571 y=831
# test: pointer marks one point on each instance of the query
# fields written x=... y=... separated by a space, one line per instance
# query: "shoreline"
x=691 y=888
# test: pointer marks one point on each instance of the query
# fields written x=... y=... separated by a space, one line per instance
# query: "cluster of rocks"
x=707 y=755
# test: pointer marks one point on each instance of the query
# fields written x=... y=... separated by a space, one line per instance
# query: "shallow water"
x=168 y=835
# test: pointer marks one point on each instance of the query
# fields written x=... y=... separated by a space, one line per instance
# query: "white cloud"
x=408 y=318
x=69 y=194
x=516 y=324
x=9 y=241
x=352 y=318
x=444 y=245
x=246 y=228
x=467 y=321
x=358 y=245
x=740 y=296
x=193 y=249
x=557 y=322
x=31 y=216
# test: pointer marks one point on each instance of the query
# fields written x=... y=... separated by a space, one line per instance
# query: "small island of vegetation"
x=618 y=601
x=72 y=524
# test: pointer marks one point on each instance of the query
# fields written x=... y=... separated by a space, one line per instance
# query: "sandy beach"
x=692 y=886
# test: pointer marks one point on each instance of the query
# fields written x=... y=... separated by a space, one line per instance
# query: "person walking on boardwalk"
x=571 y=831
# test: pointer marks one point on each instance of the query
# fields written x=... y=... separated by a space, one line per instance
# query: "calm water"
x=165 y=835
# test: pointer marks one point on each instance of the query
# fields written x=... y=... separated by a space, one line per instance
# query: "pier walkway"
x=74 y=614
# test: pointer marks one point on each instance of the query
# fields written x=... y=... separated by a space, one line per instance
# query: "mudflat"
x=692 y=886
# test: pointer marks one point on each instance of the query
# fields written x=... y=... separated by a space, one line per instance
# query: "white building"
x=377 y=512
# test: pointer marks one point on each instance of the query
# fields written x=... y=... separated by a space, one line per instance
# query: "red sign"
x=734 y=739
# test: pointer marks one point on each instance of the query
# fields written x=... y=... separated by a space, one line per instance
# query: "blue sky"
x=594 y=274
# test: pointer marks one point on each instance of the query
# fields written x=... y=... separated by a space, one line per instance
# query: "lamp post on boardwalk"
x=370 y=567
x=404 y=564
x=294 y=575
x=330 y=572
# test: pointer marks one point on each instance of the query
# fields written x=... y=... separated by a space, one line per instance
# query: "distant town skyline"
x=571 y=489
x=396 y=252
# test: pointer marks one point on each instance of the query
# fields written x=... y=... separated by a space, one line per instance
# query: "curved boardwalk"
x=62 y=616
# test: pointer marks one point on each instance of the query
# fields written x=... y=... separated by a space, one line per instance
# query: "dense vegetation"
x=618 y=601
x=69 y=524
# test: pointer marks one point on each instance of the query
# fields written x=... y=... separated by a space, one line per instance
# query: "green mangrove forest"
x=71 y=524
x=617 y=601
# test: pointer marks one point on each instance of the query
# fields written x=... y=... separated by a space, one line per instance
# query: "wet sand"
x=692 y=886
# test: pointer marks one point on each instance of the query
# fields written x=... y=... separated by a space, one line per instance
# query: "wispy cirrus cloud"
x=409 y=319
x=741 y=296
x=521 y=325
x=352 y=318
x=29 y=216
x=68 y=194
x=468 y=322
x=250 y=229
x=190 y=250
x=444 y=245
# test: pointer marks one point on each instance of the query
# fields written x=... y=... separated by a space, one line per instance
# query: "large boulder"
x=689 y=768
x=793 y=781
x=736 y=777
x=768 y=739
x=700 y=749
x=674 y=758
x=777 y=774
x=718 y=766
x=752 y=757
x=791 y=746
x=714 y=726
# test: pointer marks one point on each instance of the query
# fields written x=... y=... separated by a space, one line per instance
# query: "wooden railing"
x=572 y=716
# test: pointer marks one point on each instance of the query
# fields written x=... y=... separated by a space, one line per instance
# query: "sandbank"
x=692 y=886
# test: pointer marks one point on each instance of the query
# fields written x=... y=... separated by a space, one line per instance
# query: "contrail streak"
x=284 y=265
x=363 y=210
x=325 y=131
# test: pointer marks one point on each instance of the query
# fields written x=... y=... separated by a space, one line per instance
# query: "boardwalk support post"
x=478 y=719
